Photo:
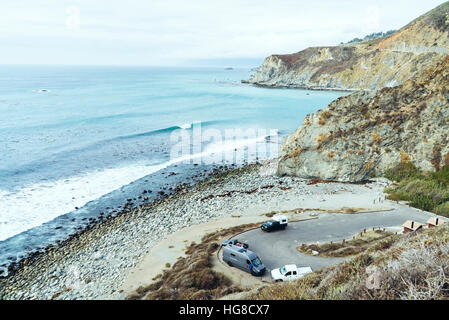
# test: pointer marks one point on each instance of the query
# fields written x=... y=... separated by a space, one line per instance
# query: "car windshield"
x=283 y=270
x=256 y=262
x=270 y=223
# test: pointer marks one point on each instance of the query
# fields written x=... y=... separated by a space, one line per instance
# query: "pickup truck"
x=235 y=242
x=289 y=273
x=277 y=223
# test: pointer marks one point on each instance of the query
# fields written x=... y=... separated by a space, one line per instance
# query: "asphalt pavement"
x=278 y=248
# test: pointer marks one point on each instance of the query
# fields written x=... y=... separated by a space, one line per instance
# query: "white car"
x=289 y=273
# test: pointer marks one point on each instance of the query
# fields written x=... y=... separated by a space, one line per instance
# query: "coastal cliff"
x=363 y=134
x=371 y=65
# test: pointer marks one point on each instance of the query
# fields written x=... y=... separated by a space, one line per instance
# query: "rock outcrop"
x=372 y=65
x=361 y=135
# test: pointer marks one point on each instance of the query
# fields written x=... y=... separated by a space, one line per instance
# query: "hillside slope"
x=365 y=133
x=370 y=65
x=414 y=266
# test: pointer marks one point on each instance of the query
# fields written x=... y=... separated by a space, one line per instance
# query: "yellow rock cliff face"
x=370 y=65
x=363 y=134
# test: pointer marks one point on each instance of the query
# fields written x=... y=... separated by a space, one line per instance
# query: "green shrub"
x=423 y=202
x=403 y=170
x=442 y=176
x=427 y=191
x=443 y=209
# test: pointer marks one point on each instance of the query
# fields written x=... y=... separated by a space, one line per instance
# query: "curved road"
x=279 y=248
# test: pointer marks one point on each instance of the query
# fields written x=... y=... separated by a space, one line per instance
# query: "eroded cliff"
x=371 y=65
x=363 y=134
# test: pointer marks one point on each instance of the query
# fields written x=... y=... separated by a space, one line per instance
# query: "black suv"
x=273 y=225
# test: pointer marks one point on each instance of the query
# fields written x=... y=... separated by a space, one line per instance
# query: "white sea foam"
x=39 y=203
x=186 y=126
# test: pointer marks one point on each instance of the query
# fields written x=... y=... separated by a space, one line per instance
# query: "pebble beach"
x=94 y=263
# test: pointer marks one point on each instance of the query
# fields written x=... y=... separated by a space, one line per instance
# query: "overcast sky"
x=177 y=32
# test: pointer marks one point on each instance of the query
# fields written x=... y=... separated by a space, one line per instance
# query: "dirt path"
x=245 y=208
x=172 y=247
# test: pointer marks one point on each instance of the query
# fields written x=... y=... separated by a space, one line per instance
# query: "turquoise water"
x=72 y=134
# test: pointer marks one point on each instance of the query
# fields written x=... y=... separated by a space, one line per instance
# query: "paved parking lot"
x=279 y=248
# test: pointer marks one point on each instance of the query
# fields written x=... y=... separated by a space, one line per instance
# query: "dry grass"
x=348 y=210
x=369 y=165
x=347 y=248
x=306 y=122
x=192 y=277
x=296 y=153
x=270 y=214
x=320 y=138
x=405 y=157
x=316 y=181
x=413 y=266
x=376 y=138
x=323 y=117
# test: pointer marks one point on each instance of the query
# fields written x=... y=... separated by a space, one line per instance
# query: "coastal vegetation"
x=378 y=60
x=402 y=126
x=425 y=190
x=412 y=266
x=192 y=277
x=366 y=239
x=342 y=143
x=437 y=17
x=372 y=36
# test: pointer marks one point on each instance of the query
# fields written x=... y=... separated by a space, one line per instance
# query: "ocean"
x=77 y=142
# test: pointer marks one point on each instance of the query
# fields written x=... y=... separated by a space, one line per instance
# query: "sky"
x=182 y=32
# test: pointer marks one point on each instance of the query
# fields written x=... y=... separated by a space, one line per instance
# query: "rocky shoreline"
x=28 y=276
x=294 y=86
x=95 y=263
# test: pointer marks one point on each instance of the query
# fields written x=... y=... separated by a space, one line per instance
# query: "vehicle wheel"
x=229 y=263
x=279 y=281
x=255 y=274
